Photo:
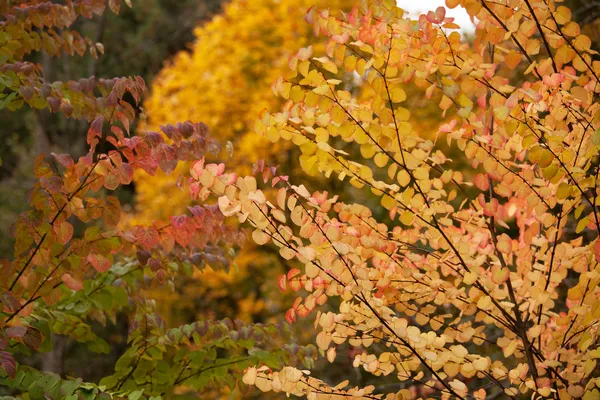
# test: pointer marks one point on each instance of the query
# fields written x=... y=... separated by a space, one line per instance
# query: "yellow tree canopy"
x=225 y=81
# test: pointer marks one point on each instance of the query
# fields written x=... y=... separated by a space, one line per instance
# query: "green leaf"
x=135 y=395
x=582 y=224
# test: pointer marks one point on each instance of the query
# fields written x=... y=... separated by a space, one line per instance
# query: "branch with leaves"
x=464 y=260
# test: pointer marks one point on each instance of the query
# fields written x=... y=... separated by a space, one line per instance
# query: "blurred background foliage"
x=211 y=61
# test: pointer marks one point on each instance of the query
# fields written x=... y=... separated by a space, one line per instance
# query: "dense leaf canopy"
x=466 y=265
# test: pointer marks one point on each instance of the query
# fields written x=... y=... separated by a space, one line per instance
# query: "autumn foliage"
x=507 y=261
x=74 y=266
x=475 y=283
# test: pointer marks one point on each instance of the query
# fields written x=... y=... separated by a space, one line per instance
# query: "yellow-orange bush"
x=468 y=289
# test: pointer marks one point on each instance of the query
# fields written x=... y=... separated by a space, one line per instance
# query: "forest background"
x=211 y=61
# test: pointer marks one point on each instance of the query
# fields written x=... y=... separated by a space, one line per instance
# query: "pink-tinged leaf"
x=179 y=221
x=293 y=272
x=553 y=80
x=66 y=108
x=182 y=236
x=481 y=100
x=63 y=159
x=448 y=127
x=131 y=142
x=10 y=301
x=197 y=211
x=95 y=130
x=15 y=332
x=341 y=39
x=440 y=14
x=512 y=101
x=532 y=94
x=166 y=157
x=258 y=166
x=118 y=132
x=54 y=103
x=71 y=282
x=276 y=179
x=111 y=181
x=8 y=363
x=124 y=120
x=64 y=232
x=305 y=53
x=197 y=168
x=154 y=138
x=307 y=252
x=99 y=262
x=216 y=169
x=282 y=283
x=431 y=17
x=481 y=182
x=180 y=182
x=290 y=316
x=126 y=174
x=147 y=237
x=309 y=16
x=53 y=184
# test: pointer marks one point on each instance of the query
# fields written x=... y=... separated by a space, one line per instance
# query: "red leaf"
x=52 y=184
x=63 y=159
x=99 y=262
x=290 y=316
x=123 y=119
x=95 y=130
x=179 y=221
x=147 y=237
x=440 y=13
x=126 y=174
x=8 y=363
x=597 y=250
x=166 y=157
